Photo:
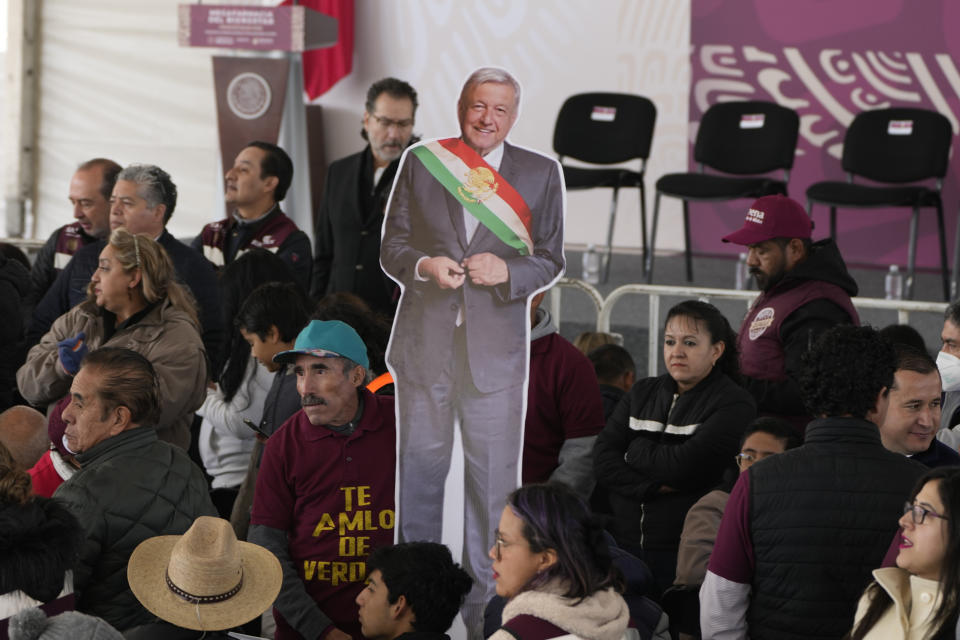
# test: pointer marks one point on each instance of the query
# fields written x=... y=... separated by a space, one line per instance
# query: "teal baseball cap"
x=327 y=339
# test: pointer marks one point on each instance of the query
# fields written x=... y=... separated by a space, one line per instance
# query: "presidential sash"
x=480 y=189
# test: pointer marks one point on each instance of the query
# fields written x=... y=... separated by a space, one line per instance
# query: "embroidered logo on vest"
x=761 y=321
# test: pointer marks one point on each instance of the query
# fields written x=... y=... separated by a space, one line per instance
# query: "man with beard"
x=355 y=194
x=324 y=496
x=805 y=290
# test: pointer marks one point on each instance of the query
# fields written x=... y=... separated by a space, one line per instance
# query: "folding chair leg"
x=833 y=223
x=955 y=278
x=912 y=252
x=608 y=253
x=643 y=224
x=688 y=257
x=943 y=252
x=653 y=238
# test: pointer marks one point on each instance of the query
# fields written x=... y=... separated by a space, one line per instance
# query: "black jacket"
x=70 y=289
x=39 y=542
x=802 y=327
x=130 y=487
x=647 y=446
x=821 y=518
x=347 y=235
x=15 y=288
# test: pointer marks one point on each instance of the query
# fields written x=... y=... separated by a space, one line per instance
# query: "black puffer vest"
x=821 y=518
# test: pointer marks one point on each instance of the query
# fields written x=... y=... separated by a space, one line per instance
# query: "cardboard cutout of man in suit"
x=474 y=228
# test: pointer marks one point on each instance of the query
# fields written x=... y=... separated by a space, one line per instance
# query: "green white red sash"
x=480 y=189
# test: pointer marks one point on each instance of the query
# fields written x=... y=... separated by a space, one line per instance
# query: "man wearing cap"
x=324 y=496
x=805 y=290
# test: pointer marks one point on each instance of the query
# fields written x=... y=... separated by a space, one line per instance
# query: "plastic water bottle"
x=742 y=275
x=591 y=265
x=893 y=283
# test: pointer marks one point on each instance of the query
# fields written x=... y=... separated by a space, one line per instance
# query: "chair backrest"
x=898 y=145
x=747 y=137
x=605 y=128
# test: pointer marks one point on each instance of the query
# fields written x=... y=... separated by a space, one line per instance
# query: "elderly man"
x=413 y=592
x=130 y=486
x=324 y=496
x=803 y=530
x=90 y=189
x=347 y=238
x=474 y=228
x=913 y=418
x=805 y=290
x=255 y=186
x=143 y=200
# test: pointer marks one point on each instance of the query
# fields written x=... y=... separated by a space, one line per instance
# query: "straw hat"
x=205 y=579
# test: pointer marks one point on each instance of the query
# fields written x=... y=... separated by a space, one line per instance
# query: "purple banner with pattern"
x=829 y=60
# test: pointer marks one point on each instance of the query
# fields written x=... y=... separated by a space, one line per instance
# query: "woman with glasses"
x=553 y=566
x=919 y=598
x=671 y=438
x=133 y=301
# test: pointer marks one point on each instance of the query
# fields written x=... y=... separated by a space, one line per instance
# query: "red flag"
x=323 y=68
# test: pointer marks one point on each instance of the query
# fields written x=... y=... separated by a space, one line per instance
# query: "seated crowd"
x=195 y=435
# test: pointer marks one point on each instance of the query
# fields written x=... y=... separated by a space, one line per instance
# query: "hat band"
x=189 y=597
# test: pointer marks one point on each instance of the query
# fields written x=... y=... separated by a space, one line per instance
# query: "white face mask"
x=66 y=446
x=949 y=367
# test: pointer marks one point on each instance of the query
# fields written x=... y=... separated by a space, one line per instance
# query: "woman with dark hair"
x=670 y=440
x=39 y=542
x=134 y=301
x=919 y=598
x=226 y=440
x=552 y=564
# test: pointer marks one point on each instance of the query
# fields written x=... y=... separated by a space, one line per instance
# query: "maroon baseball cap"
x=772 y=217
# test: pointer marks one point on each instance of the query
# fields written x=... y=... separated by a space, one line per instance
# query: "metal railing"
x=572 y=283
x=903 y=308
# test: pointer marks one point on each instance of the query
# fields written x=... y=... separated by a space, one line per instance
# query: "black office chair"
x=738 y=138
x=897 y=146
x=606 y=128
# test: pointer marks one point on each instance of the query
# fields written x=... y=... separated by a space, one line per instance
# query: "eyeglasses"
x=918 y=513
x=742 y=458
x=499 y=543
x=386 y=123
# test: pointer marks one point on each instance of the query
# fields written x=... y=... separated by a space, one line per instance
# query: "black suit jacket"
x=347 y=236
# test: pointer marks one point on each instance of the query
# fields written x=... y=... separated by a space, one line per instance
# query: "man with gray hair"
x=473 y=229
x=143 y=200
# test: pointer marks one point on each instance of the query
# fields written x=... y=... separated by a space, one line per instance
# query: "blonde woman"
x=133 y=301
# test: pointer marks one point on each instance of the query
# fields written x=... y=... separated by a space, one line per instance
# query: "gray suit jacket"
x=425 y=220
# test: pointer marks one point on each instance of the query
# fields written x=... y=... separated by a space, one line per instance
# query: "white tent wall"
x=115 y=83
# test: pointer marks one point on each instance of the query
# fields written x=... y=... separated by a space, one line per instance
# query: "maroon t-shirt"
x=333 y=495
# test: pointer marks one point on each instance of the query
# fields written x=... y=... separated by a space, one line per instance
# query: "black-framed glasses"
x=918 y=513
x=386 y=123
